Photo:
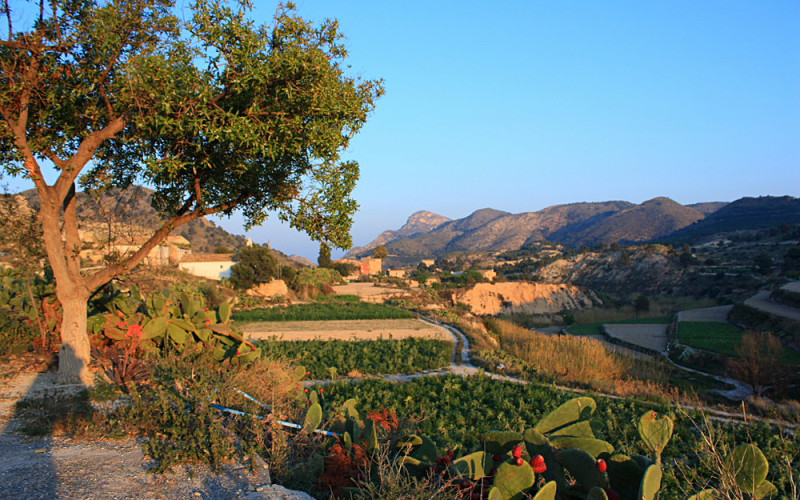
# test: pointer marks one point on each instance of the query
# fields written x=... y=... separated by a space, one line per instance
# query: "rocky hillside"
x=575 y=225
x=746 y=213
x=521 y=297
x=634 y=224
x=419 y=222
x=646 y=269
x=133 y=207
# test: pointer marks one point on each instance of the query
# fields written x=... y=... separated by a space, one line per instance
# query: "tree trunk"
x=75 y=354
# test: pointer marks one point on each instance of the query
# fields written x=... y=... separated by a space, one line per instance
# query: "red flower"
x=135 y=331
x=321 y=391
x=538 y=464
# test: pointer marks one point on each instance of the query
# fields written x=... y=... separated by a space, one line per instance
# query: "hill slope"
x=132 y=207
x=745 y=213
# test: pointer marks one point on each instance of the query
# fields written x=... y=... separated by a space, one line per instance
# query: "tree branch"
x=89 y=145
x=103 y=276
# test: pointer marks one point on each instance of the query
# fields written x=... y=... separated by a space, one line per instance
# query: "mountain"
x=419 y=222
x=634 y=224
x=132 y=208
x=745 y=213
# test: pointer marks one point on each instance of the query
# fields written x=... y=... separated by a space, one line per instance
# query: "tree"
x=255 y=264
x=216 y=114
x=763 y=263
x=324 y=258
x=380 y=252
x=759 y=361
x=641 y=304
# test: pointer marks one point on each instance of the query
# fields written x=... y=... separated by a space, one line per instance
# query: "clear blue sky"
x=519 y=105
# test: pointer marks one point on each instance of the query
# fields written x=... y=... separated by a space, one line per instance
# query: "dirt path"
x=761 y=302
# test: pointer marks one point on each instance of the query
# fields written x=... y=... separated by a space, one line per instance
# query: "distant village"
x=176 y=251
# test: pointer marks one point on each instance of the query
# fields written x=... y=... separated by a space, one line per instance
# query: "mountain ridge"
x=573 y=224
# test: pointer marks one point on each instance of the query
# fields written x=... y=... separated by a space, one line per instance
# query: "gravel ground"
x=57 y=467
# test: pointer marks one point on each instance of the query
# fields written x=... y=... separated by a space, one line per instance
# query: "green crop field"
x=332 y=358
x=323 y=311
x=711 y=336
x=455 y=411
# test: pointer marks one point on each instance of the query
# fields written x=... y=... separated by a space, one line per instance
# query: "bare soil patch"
x=650 y=336
x=368 y=292
x=717 y=314
x=362 y=329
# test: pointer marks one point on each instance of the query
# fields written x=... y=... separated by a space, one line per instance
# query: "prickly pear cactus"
x=651 y=483
x=583 y=467
x=655 y=432
x=750 y=468
x=548 y=492
x=568 y=427
x=313 y=418
x=514 y=480
x=473 y=466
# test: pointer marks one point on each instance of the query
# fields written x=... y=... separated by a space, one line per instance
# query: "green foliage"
x=133 y=326
x=323 y=358
x=655 y=432
x=30 y=315
x=313 y=281
x=323 y=311
x=711 y=336
x=324 y=258
x=254 y=264
x=459 y=411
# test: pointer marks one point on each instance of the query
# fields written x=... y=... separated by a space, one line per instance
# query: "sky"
x=521 y=105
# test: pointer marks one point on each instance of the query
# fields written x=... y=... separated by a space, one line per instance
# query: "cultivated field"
x=363 y=329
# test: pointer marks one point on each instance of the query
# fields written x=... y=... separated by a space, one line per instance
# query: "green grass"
x=711 y=336
x=323 y=311
x=596 y=328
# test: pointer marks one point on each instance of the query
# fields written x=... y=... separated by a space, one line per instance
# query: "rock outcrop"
x=274 y=288
x=529 y=298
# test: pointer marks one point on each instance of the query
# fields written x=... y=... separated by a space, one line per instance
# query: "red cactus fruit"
x=516 y=451
x=538 y=465
x=519 y=460
x=601 y=465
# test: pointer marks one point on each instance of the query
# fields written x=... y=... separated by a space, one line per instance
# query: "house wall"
x=210 y=270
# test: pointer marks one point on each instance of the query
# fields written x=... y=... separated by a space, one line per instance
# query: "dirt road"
x=761 y=302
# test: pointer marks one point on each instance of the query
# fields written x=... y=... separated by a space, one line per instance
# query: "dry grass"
x=586 y=361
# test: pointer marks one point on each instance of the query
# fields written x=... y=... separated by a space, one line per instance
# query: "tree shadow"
x=27 y=468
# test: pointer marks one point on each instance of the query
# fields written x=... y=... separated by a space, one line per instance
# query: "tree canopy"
x=215 y=113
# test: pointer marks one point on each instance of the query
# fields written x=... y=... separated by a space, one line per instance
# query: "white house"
x=213 y=266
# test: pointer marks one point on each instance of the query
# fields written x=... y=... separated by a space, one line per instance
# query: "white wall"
x=211 y=270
